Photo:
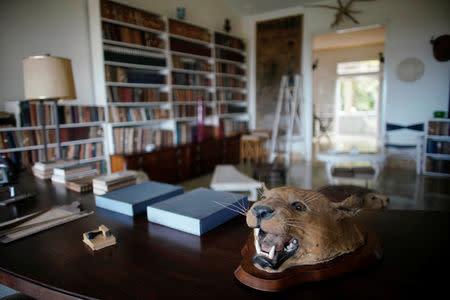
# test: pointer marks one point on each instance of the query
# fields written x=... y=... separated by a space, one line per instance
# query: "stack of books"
x=104 y=184
x=197 y=211
x=44 y=170
x=62 y=174
x=133 y=200
x=80 y=185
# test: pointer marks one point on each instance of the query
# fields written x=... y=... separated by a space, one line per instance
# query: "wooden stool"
x=252 y=148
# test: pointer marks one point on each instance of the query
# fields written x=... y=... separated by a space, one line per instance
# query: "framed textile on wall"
x=278 y=52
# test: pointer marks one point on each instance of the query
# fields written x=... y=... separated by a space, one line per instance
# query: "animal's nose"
x=263 y=212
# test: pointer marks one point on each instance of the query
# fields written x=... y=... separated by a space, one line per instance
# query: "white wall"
x=57 y=27
x=410 y=24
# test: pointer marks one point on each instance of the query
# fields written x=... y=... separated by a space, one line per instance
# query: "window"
x=358 y=85
x=357 y=98
x=358 y=93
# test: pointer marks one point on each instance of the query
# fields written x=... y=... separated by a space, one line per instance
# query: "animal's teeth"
x=272 y=252
x=257 y=247
x=294 y=241
x=256 y=233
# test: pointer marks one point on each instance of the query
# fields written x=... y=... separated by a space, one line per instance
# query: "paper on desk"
x=62 y=214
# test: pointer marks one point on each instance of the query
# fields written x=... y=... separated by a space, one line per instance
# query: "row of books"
x=133 y=36
x=28 y=138
x=182 y=111
x=188 y=47
x=129 y=75
x=84 y=151
x=191 y=95
x=123 y=13
x=136 y=114
x=140 y=139
x=229 y=69
x=437 y=165
x=189 y=133
x=229 y=82
x=224 y=95
x=230 y=127
x=67 y=114
x=107 y=183
x=190 y=79
x=188 y=63
x=190 y=31
x=228 y=41
x=132 y=56
x=29 y=157
x=229 y=55
x=439 y=128
x=438 y=147
x=229 y=109
x=128 y=94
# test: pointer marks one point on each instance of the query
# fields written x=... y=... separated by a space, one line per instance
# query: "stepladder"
x=287 y=126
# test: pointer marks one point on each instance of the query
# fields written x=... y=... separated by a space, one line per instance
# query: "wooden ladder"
x=288 y=106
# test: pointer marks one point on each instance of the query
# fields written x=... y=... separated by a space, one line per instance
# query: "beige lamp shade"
x=48 y=77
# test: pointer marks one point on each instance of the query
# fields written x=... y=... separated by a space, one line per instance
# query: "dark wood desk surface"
x=152 y=261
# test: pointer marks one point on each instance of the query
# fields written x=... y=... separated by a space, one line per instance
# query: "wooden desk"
x=154 y=262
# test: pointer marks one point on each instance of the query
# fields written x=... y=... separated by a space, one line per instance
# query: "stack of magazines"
x=63 y=174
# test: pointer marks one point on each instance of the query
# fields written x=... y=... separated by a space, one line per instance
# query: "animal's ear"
x=375 y=201
x=350 y=207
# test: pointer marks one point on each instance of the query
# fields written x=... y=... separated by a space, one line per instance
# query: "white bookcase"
x=222 y=103
x=436 y=160
x=29 y=138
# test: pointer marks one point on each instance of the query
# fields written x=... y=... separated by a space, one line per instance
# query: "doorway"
x=348 y=68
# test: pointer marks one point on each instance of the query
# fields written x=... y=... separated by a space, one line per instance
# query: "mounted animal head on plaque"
x=294 y=229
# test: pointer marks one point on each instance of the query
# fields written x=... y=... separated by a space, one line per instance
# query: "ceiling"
x=357 y=38
x=253 y=7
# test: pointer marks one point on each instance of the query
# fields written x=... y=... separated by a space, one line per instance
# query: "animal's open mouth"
x=272 y=250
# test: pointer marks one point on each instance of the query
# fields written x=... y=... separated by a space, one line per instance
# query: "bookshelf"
x=150 y=71
x=436 y=161
x=81 y=134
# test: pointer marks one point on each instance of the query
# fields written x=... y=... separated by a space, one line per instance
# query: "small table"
x=332 y=158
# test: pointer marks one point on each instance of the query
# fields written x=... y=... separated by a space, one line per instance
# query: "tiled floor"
x=405 y=189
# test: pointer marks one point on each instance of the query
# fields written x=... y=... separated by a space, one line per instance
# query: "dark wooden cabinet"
x=182 y=162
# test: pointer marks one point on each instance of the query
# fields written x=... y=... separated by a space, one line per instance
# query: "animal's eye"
x=298 y=206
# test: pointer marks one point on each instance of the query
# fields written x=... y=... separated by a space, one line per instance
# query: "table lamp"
x=48 y=78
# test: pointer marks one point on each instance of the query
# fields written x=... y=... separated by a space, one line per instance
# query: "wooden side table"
x=252 y=148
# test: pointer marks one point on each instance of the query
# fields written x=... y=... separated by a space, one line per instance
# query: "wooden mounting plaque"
x=253 y=277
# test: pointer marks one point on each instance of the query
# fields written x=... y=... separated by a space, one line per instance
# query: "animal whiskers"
x=238 y=206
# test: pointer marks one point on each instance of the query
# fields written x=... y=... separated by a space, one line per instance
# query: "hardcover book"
x=134 y=199
x=197 y=211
